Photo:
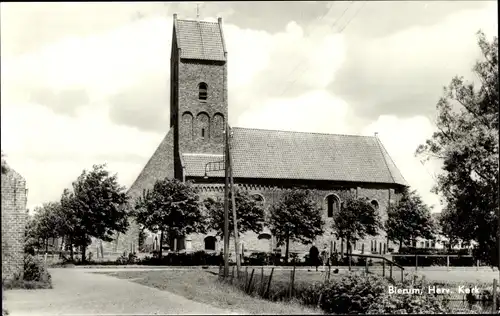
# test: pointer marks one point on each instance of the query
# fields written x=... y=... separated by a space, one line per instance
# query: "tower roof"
x=200 y=40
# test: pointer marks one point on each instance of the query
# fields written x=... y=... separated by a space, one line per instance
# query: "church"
x=265 y=162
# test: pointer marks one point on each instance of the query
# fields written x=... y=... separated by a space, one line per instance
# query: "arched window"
x=374 y=203
x=187 y=125
x=210 y=243
x=332 y=204
x=203 y=126
x=264 y=236
x=202 y=91
x=258 y=198
x=218 y=127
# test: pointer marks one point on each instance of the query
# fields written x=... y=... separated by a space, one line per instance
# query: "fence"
x=435 y=260
x=277 y=284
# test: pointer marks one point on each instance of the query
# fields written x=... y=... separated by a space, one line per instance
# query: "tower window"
x=203 y=91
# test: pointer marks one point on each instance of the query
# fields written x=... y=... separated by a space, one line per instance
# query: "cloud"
x=401 y=137
x=50 y=150
x=403 y=73
x=103 y=95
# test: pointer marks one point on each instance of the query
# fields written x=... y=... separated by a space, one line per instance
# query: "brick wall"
x=194 y=114
x=272 y=194
x=14 y=216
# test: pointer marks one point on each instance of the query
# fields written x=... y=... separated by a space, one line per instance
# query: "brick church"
x=264 y=161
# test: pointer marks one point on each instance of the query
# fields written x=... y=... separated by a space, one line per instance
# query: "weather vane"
x=197 y=11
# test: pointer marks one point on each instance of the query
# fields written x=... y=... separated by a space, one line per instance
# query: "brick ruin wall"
x=14 y=216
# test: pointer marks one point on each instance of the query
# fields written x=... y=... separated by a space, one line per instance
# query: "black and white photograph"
x=250 y=158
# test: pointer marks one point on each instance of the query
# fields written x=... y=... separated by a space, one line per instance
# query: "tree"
x=95 y=208
x=410 y=218
x=46 y=223
x=296 y=217
x=249 y=213
x=171 y=207
x=448 y=224
x=356 y=219
x=466 y=141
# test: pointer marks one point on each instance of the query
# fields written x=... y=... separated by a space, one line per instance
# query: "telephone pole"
x=235 y=220
x=226 y=204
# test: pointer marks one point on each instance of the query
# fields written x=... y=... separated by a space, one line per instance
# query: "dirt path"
x=78 y=292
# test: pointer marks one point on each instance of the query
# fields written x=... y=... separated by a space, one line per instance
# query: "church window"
x=210 y=243
x=203 y=126
x=218 y=127
x=333 y=204
x=203 y=91
x=374 y=203
x=187 y=125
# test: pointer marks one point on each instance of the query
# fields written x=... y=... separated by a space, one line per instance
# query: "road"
x=79 y=292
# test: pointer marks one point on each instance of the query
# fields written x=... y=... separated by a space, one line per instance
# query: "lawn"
x=202 y=286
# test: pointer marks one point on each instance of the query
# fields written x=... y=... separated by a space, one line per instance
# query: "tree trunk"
x=84 y=249
x=71 y=248
x=46 y=244
x=287 y=247
x=161 y=246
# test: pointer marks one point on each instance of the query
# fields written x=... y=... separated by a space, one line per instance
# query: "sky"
x=87 y=83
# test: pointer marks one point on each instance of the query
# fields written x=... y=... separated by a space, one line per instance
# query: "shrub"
x=35 y=276
x=353 y=293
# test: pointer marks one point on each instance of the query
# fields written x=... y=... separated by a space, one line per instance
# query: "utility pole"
x=226 y=204
x=233 y=204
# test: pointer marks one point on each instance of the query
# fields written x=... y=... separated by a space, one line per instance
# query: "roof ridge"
x=298 y=132
x=201 y=39
x=196 y=21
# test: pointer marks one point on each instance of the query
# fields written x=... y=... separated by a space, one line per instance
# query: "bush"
x=353 y=293
x=35 y=276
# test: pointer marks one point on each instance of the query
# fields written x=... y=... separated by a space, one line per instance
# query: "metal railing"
x=385 y=261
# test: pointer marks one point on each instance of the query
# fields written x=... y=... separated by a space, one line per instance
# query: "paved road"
x=78 y=292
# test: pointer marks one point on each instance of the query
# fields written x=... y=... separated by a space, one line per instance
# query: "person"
x=314 y=256
x=325 y=256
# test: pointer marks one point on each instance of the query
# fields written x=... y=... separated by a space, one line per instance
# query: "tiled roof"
x=303 y=156
x=159 y=166
x=200 y=40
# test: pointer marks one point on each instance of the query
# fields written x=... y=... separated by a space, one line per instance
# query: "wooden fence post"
x=366 y=265
x=349 y=253
x=390 y=271
x=416 y=263
x=262 y=284
x=266 y=293
x=292 y=280
x=402 y=275
x=246 y=275
x=494 y=307
x=319 y=300
x=383 y=268
x=448 y=263
x=232 y=276
x=329 y=271
x=250 y=282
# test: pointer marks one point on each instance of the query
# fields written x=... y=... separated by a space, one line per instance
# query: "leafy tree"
x=466 y=141
x=46 y=223
x=171 y=207
x=249 y=213
x=410 y=218
x=448 y=223
x=296 y=217
x=356 y=219
x=95 y=208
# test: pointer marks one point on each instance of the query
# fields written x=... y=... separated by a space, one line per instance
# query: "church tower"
x=198 y=87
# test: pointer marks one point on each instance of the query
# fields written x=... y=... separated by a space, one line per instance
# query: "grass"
x=203 y=286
